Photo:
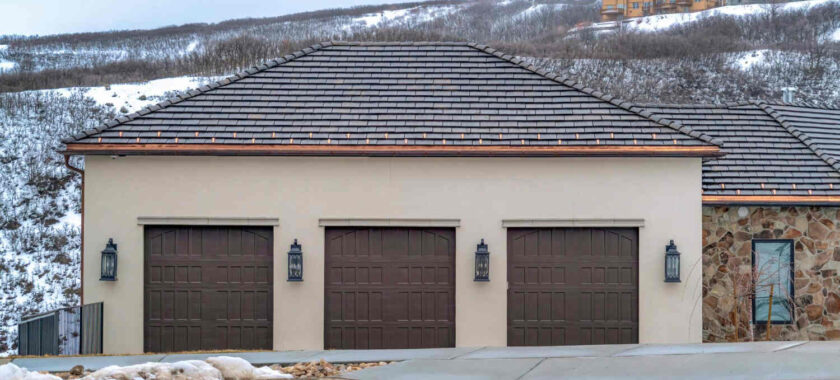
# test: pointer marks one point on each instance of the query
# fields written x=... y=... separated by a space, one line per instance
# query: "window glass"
x=772 y=267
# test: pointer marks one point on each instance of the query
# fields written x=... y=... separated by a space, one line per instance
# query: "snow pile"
x=238 y=368
x=215 y=368
x=188 y=369
x=10 y=371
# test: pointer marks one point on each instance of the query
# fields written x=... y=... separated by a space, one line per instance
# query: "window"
x=773 y=268
x=635 y=5
x=609 y=7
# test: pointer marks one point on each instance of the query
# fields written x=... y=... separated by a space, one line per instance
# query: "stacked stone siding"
x=727 y=265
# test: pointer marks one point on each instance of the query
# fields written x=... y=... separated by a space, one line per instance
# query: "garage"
x=572 y=286
x=389 y=288
x=207 y=288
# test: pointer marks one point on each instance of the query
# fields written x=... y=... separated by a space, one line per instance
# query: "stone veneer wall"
x=727 y=262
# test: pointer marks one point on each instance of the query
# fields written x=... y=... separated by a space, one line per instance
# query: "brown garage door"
x=207 y=288
x=389 y=288
x=572 y=286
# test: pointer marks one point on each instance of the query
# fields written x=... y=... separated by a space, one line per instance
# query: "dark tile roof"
x=395 y=94
x=763 y=156
x=817 y=126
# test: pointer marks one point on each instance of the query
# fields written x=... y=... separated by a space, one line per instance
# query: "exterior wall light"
x=109 y=262
x=672 y=263
x=482 y=262
x=295 y=262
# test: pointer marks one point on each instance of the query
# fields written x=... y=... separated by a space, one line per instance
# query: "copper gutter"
x=388 y=150
x=82 y=245
x=770 y=199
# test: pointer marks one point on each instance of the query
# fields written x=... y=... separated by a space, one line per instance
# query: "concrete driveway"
x=763 y=360
x=760 y=360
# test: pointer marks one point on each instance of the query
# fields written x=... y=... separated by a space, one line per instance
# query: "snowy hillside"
x=39 y=199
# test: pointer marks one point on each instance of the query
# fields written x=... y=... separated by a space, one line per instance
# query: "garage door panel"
x=586 y=293
x=389 y=287
x=208 y=288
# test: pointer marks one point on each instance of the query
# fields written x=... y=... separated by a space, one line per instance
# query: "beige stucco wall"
x=480 y=192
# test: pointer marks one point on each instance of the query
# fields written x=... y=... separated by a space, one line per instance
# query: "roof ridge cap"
x=274 y=62
x=801 y=136
x=692 y=105
x=564 y=80
x=799 y=103
x=400 y=43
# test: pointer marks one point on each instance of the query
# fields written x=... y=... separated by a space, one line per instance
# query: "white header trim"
x=386 y=222
x=207 y=221
x=514 y=223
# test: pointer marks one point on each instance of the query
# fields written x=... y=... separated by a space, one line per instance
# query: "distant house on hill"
x=616 y=10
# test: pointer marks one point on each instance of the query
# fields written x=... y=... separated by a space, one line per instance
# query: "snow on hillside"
x=662 y=22
x=835 y=36
x=534 y=9
x=748 y=59
x=5 y=65
x=401 y=16
x=40 y=219
x=131 y=97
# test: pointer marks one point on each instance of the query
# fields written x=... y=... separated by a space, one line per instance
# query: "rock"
x=77 y=370
x=791 y=233
x=742 y=236
x=832 y=303
x=818 y=231
x=814 y=312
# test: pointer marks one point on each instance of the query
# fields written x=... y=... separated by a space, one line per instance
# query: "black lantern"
x=295 y=262
x=109 y=262
x=482 y=262
x=672 y=263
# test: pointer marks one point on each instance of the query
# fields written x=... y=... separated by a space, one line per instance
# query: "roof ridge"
x=562 y=79
x=192 y=93
x=692 y=105
x=799 y=103
x=399 y=43
x=801 y=136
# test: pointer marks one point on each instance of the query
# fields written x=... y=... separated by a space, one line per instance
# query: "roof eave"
x=387 y=150
x=771 y=200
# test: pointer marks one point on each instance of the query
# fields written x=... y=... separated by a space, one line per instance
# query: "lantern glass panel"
x=109 y=262
x=482 y=262
x=295 y=262
x=672 y=263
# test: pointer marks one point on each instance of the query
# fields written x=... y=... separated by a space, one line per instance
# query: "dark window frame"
x=790 y=282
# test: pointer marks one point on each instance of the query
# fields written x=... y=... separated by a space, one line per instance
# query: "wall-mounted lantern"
x=295 y=262
x=482 y=262
x=109 y=262
x=672 y=263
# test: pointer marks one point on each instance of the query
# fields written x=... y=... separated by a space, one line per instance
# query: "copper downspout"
x=82 y=246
